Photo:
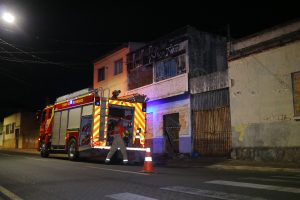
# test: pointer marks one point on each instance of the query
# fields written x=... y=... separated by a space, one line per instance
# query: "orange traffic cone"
x=148 y=166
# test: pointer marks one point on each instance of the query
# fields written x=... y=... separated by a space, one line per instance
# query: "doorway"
x=171 y=133
x=17 y=136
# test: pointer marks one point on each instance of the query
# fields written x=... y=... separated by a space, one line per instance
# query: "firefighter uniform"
x=118 y=142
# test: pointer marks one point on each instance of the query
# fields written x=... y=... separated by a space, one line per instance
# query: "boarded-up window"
x=296 y=92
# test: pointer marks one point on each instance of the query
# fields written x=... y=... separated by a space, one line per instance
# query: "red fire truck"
x=83 y=120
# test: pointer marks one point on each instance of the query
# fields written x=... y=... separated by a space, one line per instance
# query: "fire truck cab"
x=84 y=120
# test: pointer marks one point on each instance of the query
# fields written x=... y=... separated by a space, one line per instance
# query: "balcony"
x=165 y=88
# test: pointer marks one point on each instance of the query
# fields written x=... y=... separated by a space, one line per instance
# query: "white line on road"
x=4 y=154
x=116 y=170
x=39 y=159
x=129 y=196
x=290 y=177
x=256 y=186
x=9 y=194
x=271 y=180
x=210 y=193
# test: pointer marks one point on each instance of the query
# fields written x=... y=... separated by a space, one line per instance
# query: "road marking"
x=129 y=196
x=116 y=170
x=9 y=194
x=256 y=186
x=210 y=193
x=291 y=177
x=4 y=154
x=270 y=179
x=39 y=159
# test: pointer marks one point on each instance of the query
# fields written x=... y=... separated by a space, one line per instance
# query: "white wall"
x=159 y=108
x=261 y=98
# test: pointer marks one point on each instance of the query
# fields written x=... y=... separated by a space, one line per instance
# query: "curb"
x=21 y=151
x=253 y=168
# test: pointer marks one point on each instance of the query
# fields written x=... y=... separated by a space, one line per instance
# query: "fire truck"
x=83 y=120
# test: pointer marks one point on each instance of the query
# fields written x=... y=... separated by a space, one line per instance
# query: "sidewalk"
x=229 y=164
x=28 y=151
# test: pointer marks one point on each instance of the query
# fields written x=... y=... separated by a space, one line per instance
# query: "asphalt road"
x=24 y=176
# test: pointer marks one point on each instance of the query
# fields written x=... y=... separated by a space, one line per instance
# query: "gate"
x=212 y=131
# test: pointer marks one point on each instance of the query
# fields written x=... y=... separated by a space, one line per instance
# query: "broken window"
x=170 y=67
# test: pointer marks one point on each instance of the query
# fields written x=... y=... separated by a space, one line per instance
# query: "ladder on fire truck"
x=104 y=95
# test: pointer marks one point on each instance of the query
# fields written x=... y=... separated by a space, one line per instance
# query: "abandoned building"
x=165 y=70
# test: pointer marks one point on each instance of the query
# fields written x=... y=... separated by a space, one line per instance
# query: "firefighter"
x=118 y=142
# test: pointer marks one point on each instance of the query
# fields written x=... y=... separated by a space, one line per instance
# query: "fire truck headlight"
x=138 y=130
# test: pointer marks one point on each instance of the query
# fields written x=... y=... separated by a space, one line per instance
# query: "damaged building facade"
x=163 y=70
x=264 y=76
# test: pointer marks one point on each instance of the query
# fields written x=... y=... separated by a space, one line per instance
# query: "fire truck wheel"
x=72 y=151
x=44 y=151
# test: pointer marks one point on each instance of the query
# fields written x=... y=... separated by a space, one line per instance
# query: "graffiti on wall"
x=155 y=52
x=280 y=117
x=158 y=54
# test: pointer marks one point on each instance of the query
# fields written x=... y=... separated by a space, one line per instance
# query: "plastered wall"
x=261 y=98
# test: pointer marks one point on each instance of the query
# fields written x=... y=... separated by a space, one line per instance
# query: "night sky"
x=50 y=50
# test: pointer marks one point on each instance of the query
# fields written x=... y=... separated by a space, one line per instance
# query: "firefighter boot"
x=107 y=161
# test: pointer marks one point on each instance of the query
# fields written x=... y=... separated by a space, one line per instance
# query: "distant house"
x=264 y=76
x=20 y=130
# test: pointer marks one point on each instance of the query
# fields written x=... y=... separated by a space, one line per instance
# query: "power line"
x=14 y=77
x=36 y=52
x=86 y=43
x=38 y=60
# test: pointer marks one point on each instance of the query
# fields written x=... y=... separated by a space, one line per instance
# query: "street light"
x=8 y=17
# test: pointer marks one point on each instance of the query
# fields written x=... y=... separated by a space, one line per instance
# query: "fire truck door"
x=56 y=127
